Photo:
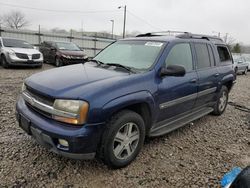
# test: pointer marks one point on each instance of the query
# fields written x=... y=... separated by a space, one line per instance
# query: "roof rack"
x=181 y=34
x=161 y=33
x=198 y=36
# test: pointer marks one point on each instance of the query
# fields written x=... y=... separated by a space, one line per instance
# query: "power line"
x=54 y=10
x=143 y=20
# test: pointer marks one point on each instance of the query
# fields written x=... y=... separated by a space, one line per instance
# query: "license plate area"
x=24 y=123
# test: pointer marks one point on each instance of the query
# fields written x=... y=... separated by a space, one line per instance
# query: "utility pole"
x=112 y=31
x=124 y=19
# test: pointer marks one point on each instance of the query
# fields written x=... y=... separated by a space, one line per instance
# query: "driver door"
x=177 y=95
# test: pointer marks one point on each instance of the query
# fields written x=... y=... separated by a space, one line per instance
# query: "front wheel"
x=221 y=102
x=245 y=71
x=58 y=62
x=122 y=139
x=5 y=64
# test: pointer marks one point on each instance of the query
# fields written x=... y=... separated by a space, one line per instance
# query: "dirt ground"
x=196 y=155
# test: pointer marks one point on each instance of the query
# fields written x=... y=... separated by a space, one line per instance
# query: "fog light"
x=63 y=142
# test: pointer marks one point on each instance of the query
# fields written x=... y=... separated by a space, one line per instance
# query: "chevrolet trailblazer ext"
x=143 y=86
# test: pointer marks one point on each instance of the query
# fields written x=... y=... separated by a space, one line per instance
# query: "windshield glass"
x=134 y=54
x=67 y=46
x=16 y=43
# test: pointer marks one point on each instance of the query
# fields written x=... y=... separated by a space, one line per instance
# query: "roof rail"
x=161 y=33
x=198 y=36
x=181 y=34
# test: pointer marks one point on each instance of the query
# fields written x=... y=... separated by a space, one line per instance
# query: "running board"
x=177 y=123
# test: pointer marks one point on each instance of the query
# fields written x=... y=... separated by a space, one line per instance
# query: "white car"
x=15 y=52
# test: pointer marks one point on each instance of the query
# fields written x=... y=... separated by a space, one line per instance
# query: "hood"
x=23 y=50
x=74 y=53
x=71 y=81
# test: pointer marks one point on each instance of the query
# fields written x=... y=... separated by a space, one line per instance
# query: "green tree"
x=237 y=48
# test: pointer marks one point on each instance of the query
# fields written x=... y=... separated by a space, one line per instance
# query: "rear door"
x=177 y=95
x=208 y=75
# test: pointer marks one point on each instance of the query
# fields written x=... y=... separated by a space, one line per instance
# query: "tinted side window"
x=223 y=53
x=203 y=59
x=181 y=55
x=211 y=55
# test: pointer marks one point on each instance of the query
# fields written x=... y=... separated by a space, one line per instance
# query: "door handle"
x=216 y=75
x=193 y=80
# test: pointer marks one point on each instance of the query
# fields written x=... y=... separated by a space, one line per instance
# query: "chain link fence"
x=90 y=45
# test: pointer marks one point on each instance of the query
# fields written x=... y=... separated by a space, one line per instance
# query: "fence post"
x=39 y=34
x=95 y=40
x=71 y=35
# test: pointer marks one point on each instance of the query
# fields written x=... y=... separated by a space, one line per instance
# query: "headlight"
x=23 y=87
x=66 y=56
x=75 y=111
x=11 y=53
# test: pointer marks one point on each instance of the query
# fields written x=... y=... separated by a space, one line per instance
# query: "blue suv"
x=140 y=87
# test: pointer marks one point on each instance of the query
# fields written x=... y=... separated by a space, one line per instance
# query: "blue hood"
x=75 y=81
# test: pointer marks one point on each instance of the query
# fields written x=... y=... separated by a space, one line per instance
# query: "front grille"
x=35 y=56
x=38 y=110
x=22 y=56
x=40 y=97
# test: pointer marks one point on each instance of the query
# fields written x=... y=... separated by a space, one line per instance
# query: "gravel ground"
x=196 y=155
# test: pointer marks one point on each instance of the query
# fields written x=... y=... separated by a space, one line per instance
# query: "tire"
x=122 y=140
x=39 y=66
x=58 y=62
x=5 y=64
x=236 y=70
x=221 y=102
x=245 y=71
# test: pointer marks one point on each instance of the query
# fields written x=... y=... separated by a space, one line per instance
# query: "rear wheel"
x=122 y=139
x=236 y=70
x=221 y=102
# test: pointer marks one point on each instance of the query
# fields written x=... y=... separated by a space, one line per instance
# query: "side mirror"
x=173 y=70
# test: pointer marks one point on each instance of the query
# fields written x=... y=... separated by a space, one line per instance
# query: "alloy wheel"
x=126 y=140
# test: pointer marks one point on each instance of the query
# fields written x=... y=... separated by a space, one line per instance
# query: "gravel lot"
x=196 y=155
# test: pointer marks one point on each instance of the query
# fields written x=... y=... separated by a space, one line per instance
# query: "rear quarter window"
x=224 y=54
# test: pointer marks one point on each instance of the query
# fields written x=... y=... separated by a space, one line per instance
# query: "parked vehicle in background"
x=240 y=64
x=247 y=57
x=15 y=52
x=136 y=87
x=62 y=53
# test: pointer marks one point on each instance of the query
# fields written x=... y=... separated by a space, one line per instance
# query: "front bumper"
x=83 y=141
x=24 y=62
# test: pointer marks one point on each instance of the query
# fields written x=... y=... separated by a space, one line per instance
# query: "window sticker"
x=155 y=44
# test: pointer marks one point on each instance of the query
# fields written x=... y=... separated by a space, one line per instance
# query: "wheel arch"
x=141 y=103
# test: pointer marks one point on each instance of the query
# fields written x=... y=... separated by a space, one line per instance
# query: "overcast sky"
x=197 y=16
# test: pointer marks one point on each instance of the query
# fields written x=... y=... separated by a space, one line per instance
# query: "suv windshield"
x=16 y=43
x=134 y=54
x=67 y=46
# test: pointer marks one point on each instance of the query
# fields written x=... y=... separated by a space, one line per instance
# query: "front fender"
x=122 y=102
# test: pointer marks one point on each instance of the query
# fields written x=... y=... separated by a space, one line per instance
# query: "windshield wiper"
x=122 y=66
x=96 y=61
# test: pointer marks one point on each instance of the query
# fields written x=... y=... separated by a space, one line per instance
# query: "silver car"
x=240 y=64
x=15 y=52
x=247 y=57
